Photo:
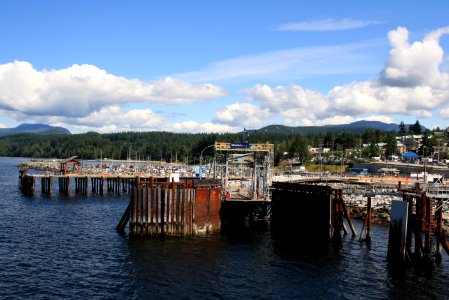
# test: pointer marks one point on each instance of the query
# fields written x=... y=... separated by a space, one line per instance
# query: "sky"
x=222 y=66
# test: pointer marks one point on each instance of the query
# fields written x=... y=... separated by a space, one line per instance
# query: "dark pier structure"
x=99 y=184
x=173 y=208
x=309 y=211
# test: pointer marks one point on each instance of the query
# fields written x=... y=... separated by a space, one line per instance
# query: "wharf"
x=79 y=183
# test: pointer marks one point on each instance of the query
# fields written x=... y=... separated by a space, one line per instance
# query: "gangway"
x=247 y=166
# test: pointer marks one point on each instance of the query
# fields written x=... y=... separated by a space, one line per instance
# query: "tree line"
x=186 y=148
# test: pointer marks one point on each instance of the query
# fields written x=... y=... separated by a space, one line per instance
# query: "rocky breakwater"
x=381 y=205
x=356 y=199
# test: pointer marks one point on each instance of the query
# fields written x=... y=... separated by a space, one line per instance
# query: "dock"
x=80 y=184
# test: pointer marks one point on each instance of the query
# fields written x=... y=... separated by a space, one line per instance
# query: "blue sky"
x=221 y=66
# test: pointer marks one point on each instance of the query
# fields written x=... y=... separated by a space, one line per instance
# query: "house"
x=411 y=142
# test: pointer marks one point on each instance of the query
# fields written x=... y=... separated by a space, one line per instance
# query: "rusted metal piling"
x=416 y=221
x=172 y=208
x=308 y=211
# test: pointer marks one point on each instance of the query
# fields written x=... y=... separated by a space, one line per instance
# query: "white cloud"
x=444 y=113
x=135 y=119
x=410 y=84
x=80 y=90
x=108 y=119
x=293 y=103
x=325 y=25
x=416 y=64
x=196 y=127
x=243 y=115
x=413 y=82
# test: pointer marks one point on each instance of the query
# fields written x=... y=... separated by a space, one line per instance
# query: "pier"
x=80 y=184
x=238 y=189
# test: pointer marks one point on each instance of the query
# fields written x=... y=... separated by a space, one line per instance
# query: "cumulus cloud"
x=325 y=25
x=417 y=63
x=414 y=82
x=243 y=115
x=411 y=83
x=196 y=127
x=294 y=104
x=136 y=119
x=80 y=90
x=108 y=119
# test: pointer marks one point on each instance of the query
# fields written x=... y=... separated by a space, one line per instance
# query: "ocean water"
x=67 y=247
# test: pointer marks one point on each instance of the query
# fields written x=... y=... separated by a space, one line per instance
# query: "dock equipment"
x=245 y=161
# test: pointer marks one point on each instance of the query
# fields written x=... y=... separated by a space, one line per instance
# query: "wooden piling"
x=367 y=222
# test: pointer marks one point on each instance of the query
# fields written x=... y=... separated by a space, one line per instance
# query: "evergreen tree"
x=416 y=128
x=391 y=145
x=372 y=150
x=299 y=149
x=402 y=129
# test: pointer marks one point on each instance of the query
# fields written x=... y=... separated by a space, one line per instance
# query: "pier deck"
x=79 y=183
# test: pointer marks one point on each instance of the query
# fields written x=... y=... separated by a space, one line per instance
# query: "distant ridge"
x=34 y=128
x=355 y=127
x=370 y=124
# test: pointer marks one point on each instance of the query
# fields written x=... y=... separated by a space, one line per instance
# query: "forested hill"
x=354 y=128
x=33 y=128
x=182 y=147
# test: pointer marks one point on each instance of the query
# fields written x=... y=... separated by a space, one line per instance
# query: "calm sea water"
x=67 y=247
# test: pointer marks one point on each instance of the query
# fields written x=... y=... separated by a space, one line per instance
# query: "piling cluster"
x=172 y=208
x=82 y=184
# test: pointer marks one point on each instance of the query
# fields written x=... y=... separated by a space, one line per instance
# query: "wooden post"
x=133 y=220
x=124 y=220
x=428 y=221
x=367 y=222
x=67 y=185
x=417 y=228
x=439 y=229
x=101 y=185
x=411 y=229
x=162 y=210
x=86 y=185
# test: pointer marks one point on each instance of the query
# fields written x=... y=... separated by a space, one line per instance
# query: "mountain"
x=355 y=127
x=369 y=124
x=33 y=128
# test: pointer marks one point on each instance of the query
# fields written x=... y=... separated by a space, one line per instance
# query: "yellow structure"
x=243 y=147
